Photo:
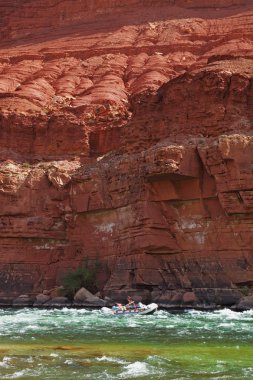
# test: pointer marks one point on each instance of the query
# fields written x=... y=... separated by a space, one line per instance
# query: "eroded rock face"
x=128 y=137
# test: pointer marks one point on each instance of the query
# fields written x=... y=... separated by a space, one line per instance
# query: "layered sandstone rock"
x=26 y=18
x=127 y=136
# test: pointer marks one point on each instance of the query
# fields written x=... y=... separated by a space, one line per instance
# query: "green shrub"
x=83 y=276
x=246 y=290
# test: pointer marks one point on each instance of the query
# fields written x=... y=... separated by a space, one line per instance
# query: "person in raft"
x=118 y=307
x=130 y=303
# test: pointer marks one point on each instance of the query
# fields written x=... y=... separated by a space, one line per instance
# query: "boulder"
x=58 y=302
x=108 y=301
x=6 y=302
x=217 y=296
x=96 y=303
x=246 y=303
x=23 y=301
x=189 y=298
x=84 y=297
x=168 y=298
x=41 y=299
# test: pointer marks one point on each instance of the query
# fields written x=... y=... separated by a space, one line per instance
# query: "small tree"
x=84 y=275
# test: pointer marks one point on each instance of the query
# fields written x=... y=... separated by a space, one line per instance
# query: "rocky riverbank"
x=84 y=299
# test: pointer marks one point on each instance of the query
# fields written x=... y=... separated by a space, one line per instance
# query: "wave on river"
x=84 y=344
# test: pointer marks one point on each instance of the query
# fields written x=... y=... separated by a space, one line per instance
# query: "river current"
x=82 y=344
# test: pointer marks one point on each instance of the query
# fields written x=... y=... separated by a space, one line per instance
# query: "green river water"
x=81 y=344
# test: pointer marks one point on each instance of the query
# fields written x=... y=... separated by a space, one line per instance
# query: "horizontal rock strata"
x=126 y=135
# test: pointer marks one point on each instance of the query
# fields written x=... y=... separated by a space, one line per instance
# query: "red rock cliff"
x=126 y=133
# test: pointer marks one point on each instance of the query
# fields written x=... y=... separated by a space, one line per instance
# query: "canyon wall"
x=126 y=135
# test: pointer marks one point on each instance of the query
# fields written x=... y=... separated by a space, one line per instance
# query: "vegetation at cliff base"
x=84 y=275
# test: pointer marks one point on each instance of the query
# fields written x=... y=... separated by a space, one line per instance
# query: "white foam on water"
x=138 y=369
x=227 y=314
x=102 y=375
x=162 y=314
x=158 y=360
x=223 y=316
x=248 y=312
x=226 y=324
x=29 y=360
x=20 y=374
x=111 y=359
x=5 y=363
x=195 y=312
x=134 y=370
x=54 y=355
x=69 y=362
x=248 y=371
x=75 y=311
x=132 y=324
